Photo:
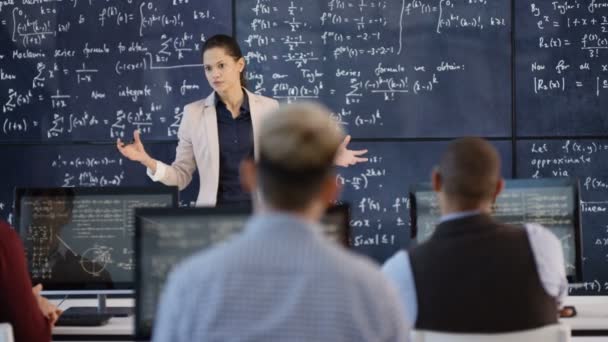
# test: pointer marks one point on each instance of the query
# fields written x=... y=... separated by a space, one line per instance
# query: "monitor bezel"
x=144 y=333
x=141 y=331
x=523 y=183
x=87 y=288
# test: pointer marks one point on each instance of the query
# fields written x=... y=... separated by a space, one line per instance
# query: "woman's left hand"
x=346 y=157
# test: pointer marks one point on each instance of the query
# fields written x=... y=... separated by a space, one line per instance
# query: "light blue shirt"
x=280 y=280
x=546 y=248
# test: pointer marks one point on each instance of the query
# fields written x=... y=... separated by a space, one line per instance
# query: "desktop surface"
x=591 y=320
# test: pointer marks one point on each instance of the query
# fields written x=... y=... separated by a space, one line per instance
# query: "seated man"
x=474 y=274
x=31 y=315
x=282 y=279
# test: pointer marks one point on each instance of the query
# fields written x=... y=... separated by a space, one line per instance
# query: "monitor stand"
x=101 y=308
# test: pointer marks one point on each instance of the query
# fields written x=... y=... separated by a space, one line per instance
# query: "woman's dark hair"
x=230 y=45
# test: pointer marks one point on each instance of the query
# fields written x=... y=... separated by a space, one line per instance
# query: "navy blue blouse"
x=236 y=141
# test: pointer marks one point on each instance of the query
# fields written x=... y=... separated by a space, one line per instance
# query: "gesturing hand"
x=134 y=151
x=346 y=157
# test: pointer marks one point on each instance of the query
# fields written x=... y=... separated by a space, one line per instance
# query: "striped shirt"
x=280 y=280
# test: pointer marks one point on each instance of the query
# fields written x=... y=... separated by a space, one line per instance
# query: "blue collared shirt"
x=546 y=249
x=236 y=141
x=458 y=215
x=281 y=279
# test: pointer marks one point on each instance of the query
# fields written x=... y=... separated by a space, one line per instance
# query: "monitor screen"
x=553 y=203
x=164 y=237
x=81 y=239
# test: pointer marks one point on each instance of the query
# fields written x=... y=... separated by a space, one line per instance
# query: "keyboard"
x=89 y=320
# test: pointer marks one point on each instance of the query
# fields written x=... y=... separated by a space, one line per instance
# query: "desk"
x=592 y=320
x=592 y=317
x=118 y=329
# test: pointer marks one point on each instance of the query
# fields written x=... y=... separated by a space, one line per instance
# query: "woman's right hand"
x=133 y=151
x=48 y=310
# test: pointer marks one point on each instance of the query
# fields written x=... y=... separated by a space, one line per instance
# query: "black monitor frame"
x=344 y=209
x=88 y=288
x=141 y=331
x=523 y=184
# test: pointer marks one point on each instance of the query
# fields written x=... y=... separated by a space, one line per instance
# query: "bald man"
x=475 y=275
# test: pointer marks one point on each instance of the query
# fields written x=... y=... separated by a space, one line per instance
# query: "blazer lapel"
x=210 y=123
x=254 y=111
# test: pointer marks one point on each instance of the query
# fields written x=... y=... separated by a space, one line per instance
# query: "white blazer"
x=198 y=146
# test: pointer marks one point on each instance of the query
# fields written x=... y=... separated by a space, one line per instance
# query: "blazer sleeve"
x=274 y=104
x=179 y=173
x=19 y=306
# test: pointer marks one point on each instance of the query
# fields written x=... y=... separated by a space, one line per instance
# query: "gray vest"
x=476 y=275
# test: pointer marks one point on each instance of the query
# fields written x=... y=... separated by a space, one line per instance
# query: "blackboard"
x=76 y=165
x=96 y=70
x=561 y=68
x=363 y=60
x=402 y=76
x=585 y=159
x=387 y=68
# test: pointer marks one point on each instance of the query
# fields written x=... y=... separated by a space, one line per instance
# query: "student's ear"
x=436 y=180
x=248 y=175
x=499 y=187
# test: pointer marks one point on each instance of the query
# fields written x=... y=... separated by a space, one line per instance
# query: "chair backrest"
x=550 y=333
x=6 y=332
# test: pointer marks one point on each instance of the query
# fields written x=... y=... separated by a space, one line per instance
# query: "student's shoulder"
x=8 y=236
x=204 y=264
x=359 y=268
x=538 y=232
x=544 y=243
x=366 y=281
x=396 y=263
x=11 y=247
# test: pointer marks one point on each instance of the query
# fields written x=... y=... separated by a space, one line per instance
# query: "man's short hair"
x=470 y=170
x=297 y=147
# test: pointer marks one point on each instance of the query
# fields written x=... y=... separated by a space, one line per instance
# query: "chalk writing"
x=364 y=59
x=583 y=159
x=90 y=70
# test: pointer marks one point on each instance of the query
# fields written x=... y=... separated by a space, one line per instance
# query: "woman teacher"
x=218 y=132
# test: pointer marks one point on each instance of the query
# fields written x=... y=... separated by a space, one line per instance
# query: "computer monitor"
x=80 y=240
x=551 y=202
x=164 y=237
